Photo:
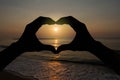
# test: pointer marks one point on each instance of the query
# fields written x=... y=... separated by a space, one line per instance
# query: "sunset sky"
x=102 y=17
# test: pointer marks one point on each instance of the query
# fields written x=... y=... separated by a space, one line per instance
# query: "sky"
x=102 y=17
x=56 y=31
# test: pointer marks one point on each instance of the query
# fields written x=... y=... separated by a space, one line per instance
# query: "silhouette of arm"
x=107 y=55
x=27 y=42
x=9 y=54
x=83 y=41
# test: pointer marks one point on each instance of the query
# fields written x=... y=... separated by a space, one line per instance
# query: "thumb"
x=63 y=48
x=50 y=48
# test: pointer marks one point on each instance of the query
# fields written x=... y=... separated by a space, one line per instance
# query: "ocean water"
x=67 y=65
x=64 y=55
x=56 y=42
x=70 y=55
x=111 y=43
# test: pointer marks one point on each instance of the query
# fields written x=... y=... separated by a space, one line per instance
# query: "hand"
x=29 y=41
x=83 y=41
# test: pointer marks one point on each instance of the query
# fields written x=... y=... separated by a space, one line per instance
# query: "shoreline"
x=43 y=68
x=11 y=75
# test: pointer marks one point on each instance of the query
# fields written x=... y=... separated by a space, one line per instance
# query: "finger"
x=37 y=23
x=48 y=47
x=43 y=20
x=67 y=20
x=63 y=20
x=74 y=23
x=49 y=21
x=64 y=47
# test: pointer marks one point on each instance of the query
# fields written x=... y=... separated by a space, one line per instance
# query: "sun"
x=55 y=29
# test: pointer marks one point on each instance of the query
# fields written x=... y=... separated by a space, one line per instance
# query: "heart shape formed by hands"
x=82 y=41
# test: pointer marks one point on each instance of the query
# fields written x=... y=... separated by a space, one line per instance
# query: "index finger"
x=37 y=23
x=74 y=23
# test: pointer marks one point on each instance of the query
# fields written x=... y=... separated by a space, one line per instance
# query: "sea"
x=67 y=65
x=113 y=43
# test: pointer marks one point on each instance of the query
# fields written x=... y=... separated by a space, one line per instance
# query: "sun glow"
x=56 y=28
x=55 y=31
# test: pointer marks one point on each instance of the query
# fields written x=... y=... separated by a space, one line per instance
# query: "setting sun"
x=55 y=29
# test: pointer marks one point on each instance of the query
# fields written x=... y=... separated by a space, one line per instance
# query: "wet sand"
x=68 y=66
x=62 y=68
x=7 y=75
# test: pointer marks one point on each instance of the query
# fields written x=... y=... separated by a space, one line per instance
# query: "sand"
x=67 y=67
x=7 y=75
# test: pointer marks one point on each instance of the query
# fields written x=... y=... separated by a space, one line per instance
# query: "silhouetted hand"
x=29 y=41
x=83 y=41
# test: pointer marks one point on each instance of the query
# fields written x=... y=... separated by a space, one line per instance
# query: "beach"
x=40 y=66
x=67 y=65
x=7 y=75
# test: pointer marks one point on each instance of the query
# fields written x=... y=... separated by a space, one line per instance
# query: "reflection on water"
x=55 y=68
x=56 y=42
x=111 y=43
